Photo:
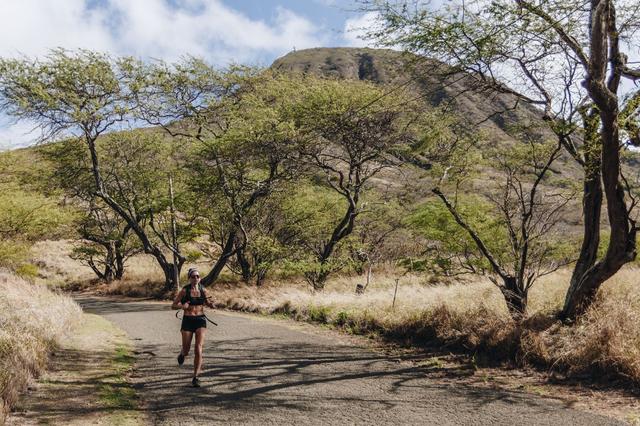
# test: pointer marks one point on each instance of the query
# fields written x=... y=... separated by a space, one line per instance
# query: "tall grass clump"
x=605 y=342
x=32 y=318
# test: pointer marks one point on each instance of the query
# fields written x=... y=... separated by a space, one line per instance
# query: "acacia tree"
x=269 y=227
x=272 y=237
x=241 y=169
x=143 y=173
x=243 y=141
x=527 y=214
x=568 y=60
x=106 y=244
x=106 y=238
x=352 y=129
x=81 y=96
x=135 y=167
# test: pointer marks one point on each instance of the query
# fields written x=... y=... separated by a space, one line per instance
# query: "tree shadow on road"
x=312 y=381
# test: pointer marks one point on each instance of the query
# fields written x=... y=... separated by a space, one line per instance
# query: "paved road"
x=261 y=371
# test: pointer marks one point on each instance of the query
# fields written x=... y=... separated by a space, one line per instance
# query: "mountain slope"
x=495 y=114
x=436 y=82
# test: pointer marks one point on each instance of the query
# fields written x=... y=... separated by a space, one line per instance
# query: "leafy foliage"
x=25 y=217
x=451 y=250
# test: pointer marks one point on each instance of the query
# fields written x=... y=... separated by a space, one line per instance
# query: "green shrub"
x=319 y=314
x=13 y=253
x=341 y=318
x=27 y=270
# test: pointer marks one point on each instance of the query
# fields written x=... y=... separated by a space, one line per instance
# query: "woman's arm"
x=177 y=302
x=209 y=302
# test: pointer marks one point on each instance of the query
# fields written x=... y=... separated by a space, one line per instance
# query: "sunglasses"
x=195 y=276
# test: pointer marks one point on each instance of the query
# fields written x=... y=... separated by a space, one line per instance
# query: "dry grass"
x=32 y=318
x=142 y=279
x=607 y=339
x=472 y=317
x=469 y=316
x=55 y=266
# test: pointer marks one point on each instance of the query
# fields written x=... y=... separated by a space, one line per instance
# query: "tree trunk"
x=170 y=272
x=227 y=252
x=592 y=198
x=109 y=263
x=602 y=82
x=98 y=272
x=341 y=231
x=109 y=274
x=592 y=207
x=317 y=279
x=261 y=274
x=368 y=277
x=119 y=261
x=516 y=297
x=622 y=245
x=245 y=265
x=174 y=238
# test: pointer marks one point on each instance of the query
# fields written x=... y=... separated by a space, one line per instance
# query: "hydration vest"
x=193 y=300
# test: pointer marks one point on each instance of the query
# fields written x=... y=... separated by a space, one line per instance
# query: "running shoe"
x=180 y=359
x=195 y=382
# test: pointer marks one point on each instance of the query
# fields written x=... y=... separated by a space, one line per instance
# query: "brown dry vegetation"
x=32 y=318
x=468 y=316
x=472 y=317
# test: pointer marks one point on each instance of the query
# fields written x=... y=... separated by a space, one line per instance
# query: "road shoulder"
x=86 y=382
x=613 y=401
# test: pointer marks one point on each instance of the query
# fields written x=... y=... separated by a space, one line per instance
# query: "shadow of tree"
x=262 y=372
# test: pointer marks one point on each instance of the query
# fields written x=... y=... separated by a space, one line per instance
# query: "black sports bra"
x=193 y=300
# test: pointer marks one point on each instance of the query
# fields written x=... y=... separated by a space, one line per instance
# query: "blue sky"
x=221 y=31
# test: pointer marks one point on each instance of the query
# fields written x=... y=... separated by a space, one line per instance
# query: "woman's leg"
x=197 y=362
x=186 y=342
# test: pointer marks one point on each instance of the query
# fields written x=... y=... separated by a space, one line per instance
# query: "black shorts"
x=192 y=323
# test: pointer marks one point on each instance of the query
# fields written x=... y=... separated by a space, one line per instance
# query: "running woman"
x=192 y=299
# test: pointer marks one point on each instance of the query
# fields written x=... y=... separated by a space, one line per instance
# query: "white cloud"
x=148 y=29
x=207 y=28
x=151 y=28
x=355 y=29
x=32 y=27
x=17 y=135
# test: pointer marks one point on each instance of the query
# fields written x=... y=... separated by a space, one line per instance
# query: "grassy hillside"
x=31 y=209
x=497 y=116
x=433 y=81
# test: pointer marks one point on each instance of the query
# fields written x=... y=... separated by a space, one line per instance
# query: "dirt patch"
x=86 y=382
